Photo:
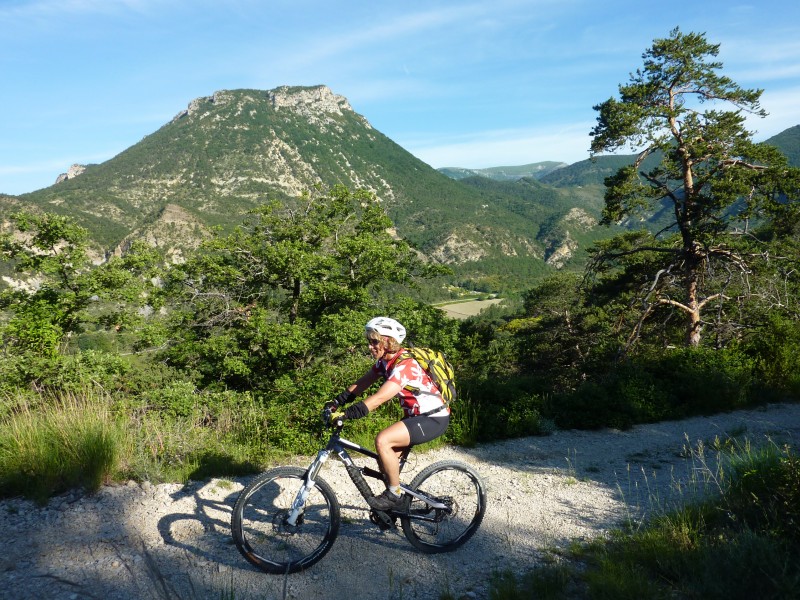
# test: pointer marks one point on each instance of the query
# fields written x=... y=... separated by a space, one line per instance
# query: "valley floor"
x=463 y=310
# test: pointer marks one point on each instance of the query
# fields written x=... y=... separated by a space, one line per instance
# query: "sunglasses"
x=374 y=342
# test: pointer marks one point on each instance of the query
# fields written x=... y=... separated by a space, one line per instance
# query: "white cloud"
x=505 y=148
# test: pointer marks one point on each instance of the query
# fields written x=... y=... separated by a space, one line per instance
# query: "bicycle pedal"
x=382 y=520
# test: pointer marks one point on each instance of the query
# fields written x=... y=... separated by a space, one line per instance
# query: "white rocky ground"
x=173 y=541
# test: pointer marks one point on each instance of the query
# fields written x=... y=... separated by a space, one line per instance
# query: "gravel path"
x=173 y=541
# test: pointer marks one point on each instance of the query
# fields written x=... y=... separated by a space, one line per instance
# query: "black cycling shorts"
x=424 y=429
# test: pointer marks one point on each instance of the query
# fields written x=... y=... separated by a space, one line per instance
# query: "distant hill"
x=788 y=142
x=593 y=171
x=587 y=172
x=562 y=221
x=535 y=170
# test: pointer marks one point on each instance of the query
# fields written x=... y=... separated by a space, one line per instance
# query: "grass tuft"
x=69 y=442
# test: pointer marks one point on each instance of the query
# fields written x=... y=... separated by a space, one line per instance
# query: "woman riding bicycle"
x=426 y=415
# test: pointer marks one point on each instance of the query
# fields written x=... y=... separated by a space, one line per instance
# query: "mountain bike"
x=287 y=519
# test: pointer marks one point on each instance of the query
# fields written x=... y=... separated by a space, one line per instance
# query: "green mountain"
x=788 y=142
x=229 y=152
x=535 y=170
x=232 y=151
x=564 y=220
x=593 y=171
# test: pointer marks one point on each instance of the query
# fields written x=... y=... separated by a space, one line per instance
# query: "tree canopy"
x=60 y=284
x=710 y=175
x=267 y=299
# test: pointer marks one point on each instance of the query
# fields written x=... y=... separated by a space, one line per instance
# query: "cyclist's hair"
x=389 y=343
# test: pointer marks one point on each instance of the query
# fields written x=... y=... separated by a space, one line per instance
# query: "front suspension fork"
x=310 y=481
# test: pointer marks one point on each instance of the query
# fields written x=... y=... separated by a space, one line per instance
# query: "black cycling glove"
x=345 y=397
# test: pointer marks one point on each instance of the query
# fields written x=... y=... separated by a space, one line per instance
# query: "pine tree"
x=712 y=177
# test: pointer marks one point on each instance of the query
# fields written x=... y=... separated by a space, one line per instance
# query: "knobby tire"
x=459 y=487
x=259 y=526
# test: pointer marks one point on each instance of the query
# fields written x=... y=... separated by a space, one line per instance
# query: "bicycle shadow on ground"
x=202 y=529
x=357 y=527
x=200 y=524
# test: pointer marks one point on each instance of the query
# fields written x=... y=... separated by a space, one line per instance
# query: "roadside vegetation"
x=738 y=538
x=137 y=368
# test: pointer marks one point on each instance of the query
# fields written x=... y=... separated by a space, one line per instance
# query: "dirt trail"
x=173 y=541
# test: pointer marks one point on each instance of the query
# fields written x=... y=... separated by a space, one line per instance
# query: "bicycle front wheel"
x=458 y=487
x=264 y=536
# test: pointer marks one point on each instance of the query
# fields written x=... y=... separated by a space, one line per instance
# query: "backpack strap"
x=405 y=355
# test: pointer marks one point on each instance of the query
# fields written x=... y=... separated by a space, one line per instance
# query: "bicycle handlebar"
x=338 y=423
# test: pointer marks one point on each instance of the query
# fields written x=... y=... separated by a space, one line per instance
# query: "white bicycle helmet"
x=388 y=327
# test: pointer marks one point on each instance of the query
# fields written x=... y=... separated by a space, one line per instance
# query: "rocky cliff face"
x=312 y=103
x=561 y=251
x=266 y=151
x=580 y=218
x=170 y=224
x=71 y=173
x=561 y=244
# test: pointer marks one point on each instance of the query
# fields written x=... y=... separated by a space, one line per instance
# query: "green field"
x=469 y=308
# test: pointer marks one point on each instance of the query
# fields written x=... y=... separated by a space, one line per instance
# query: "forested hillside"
x=233 y=151
x=788 y=142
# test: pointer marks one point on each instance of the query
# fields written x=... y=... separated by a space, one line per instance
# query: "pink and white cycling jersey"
x=423 y=395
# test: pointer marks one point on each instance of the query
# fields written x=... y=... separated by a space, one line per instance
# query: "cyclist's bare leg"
x=389 y=444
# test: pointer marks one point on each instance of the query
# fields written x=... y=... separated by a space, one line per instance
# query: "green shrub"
x=500 y=410
x=68 y=373
x=592 y=406
x=764 y=491
x=177 y=399
x=677 y=383
x=70 y=442
x=625 y=397
x=705 y=380
x=774 y=351
x=99 y=341
x=550 y=581
x=464 y=429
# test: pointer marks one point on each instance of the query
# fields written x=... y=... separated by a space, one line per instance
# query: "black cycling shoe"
x=386 y=501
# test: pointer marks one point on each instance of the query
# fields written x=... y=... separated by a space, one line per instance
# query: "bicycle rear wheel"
x=259 y=522
x=461 y=489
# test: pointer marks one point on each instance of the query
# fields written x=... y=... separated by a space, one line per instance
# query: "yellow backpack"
x=438 y=369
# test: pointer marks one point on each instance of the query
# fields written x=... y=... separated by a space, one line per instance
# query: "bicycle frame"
x=339 y=446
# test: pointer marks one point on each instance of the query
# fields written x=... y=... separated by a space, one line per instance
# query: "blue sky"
x=457 y=83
